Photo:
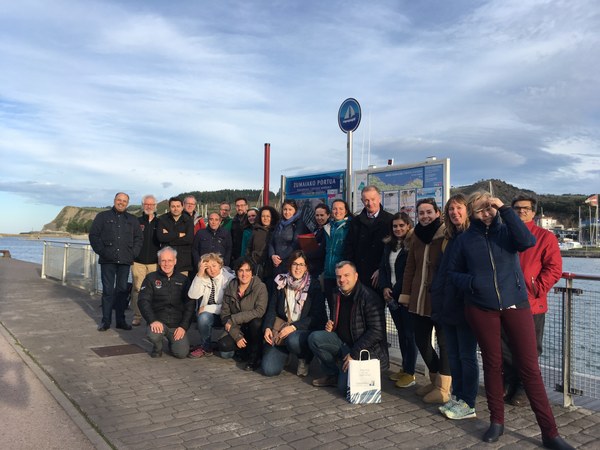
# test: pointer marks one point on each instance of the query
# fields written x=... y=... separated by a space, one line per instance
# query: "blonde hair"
x=475 y=197
x=212 y=257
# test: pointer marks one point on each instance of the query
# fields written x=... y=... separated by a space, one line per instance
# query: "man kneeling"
x=357 y=323
x=164 y=303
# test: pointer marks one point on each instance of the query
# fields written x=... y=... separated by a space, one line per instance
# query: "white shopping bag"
x=364 y=380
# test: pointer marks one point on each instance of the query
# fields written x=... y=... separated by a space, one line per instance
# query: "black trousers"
x=252 y=333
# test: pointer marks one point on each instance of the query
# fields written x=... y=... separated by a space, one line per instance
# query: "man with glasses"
x=542 y=268
x=189 y=206
x=224 y=210
x=146 y=261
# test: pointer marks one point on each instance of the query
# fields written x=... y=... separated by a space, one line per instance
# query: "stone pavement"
x=135 y=402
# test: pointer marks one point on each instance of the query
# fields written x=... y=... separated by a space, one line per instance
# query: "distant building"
x=548 y=223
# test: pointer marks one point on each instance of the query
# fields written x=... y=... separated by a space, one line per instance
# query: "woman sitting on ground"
x=208 y=288
x=244 y=304
x=296 y=309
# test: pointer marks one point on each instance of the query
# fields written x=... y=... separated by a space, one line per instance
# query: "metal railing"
x=570 y=360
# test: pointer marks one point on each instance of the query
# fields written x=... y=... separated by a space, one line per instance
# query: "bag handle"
x=361 y=352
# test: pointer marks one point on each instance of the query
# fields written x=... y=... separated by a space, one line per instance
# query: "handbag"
x=279 y=325
x=364 y=380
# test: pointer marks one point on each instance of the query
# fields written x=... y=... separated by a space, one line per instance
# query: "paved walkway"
x=136 y=402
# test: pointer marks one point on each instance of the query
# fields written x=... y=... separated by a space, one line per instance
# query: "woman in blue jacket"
x=485 y=266
x=284 y=239
x=334 y=245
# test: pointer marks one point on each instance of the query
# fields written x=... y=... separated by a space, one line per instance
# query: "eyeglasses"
x=298 y=265
x=149 y=204
x=487 y=208
x=522 y=208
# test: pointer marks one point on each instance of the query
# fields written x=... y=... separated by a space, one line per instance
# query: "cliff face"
x=69 y=215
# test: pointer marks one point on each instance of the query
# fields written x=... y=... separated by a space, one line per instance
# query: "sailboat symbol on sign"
x=349 y=113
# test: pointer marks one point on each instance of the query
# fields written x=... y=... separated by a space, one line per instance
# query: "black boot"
x=556 y=443
x=494 y=432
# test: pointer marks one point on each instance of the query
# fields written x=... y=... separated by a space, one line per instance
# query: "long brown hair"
x=452 y=230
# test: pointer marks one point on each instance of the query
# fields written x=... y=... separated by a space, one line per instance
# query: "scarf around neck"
x=300 y=288
x=284 y=223
x=426 y=233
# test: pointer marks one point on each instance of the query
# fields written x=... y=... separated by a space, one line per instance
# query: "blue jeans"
x=328 y=348
x=179 y=349
x=114 y=292
x=461 y=346
x=275 y=356
x=406 y=337
x=206 y=321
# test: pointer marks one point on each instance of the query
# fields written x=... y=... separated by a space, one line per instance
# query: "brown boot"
x=441 y=393
x=426 y=389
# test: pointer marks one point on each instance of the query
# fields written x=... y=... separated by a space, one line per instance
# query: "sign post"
x=348 y=120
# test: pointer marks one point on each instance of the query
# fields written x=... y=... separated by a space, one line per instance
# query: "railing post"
x=64 y=270
x=44 y=260
x=567 y=343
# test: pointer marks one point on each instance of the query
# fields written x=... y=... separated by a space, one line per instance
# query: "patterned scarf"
x=300 y=288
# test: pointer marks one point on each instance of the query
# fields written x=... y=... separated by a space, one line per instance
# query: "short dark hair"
x=323 y=206
x=294 y=256
x=525 y=198
x=339 y=200
x=241 y=198
x=290 y=202
x=237 y=265
x=175 y=199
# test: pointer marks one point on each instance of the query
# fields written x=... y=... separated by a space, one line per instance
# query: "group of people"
x=257 y=296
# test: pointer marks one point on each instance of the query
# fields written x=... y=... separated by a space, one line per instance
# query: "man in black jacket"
x=364 y=243
x=165 y=305
x=212 y=239
x=116 y=237
x=238 y=225
x=357 y=323
x=176 y=230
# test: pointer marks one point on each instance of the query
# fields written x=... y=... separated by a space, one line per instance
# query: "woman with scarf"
x=284 y=239
x=423 y=255
x=207 y=289
x=296 y=309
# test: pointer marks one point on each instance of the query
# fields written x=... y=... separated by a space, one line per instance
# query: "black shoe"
x=509 y=391
x=123 y=326
x=252 y=366
x=103 y=327
x=240 y=357
x=156 y=354
x=556 y=443
x=493 y=433
x=519 y=398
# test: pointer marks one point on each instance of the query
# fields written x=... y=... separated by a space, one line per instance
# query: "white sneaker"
x=448 y=405
x=302 y=370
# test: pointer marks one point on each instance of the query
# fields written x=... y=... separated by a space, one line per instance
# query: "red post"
x=267 y=173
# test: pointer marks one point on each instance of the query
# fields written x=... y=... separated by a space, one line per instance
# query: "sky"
x=160 y=97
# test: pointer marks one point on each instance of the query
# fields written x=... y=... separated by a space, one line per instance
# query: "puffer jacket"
x=368 y=324
x=239 y=311
x=334 y=245
x=485 y=262
x=116 y=237
x=165 y=299
x=284 y=240
x=447 y=301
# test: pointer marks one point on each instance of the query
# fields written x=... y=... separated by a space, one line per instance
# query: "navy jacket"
x=171 y=238
x=284 y=241
x=485 y=263
x=212 y=241
x=115 y=237
x=447 y=301
x=385 y=271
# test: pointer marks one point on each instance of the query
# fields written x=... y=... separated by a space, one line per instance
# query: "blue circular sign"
x=349 y=115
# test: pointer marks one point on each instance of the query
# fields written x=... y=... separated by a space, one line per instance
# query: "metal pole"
x=267 y=173
x=567 y=340
x=64 y=271
x=282 y=190
x=349 y=170
x=44 y=260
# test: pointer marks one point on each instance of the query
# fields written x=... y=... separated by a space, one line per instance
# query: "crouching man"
x=357 y=323
x=164 y=303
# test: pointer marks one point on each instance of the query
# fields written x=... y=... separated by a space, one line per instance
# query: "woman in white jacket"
x=208 y=288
